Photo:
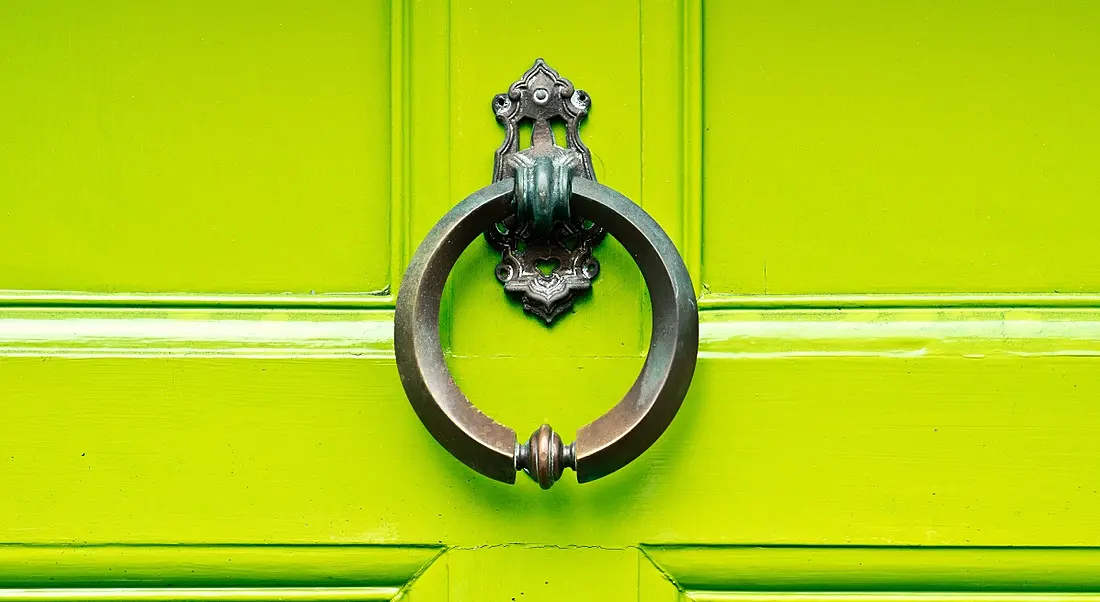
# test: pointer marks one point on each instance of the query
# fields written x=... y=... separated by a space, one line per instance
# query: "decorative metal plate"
x=546 y=235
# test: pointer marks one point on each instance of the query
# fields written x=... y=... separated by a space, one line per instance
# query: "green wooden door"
x=890 y=210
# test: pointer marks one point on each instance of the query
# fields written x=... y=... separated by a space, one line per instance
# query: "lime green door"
x=890 y=211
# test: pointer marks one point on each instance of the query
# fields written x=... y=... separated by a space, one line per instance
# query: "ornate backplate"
x=545 y=262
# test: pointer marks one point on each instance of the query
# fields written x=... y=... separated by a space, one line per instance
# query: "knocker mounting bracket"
x=543 y=231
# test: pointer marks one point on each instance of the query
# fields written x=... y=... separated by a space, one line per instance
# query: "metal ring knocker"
x=547 y=196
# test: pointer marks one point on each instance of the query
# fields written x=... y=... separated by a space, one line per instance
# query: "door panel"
x=878 y=147
x=195 y=147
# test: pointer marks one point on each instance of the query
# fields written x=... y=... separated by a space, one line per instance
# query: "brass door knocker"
x=545 y=204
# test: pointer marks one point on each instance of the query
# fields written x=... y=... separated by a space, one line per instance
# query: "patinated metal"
x=604 y=445
x=545 y=457
x=533 y=212
x=542 y=229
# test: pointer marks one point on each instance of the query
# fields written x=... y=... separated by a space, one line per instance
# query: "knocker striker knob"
x=544 y=457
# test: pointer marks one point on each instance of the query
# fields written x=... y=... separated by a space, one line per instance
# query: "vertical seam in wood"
x=692 y=137
x=399 y=143
x=641 y=107
x=644 y=333
x=428 y=126
x=448 y=73
x=449 y=96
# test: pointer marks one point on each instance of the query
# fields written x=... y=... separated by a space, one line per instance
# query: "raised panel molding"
x=913 y=427
x=881 y=574
x=217 y=573
x=650 y=573
x=672 y=126
x=934 y=596
x=711 y=301
x=206 y=594
x=973 y=333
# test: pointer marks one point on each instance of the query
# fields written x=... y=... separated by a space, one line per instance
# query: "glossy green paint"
x=887 y=573
x=907 y=414
x=160 y=572
x=199 y=147
x=901 y=147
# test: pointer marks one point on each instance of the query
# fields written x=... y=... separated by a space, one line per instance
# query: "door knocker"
x=545 y=205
